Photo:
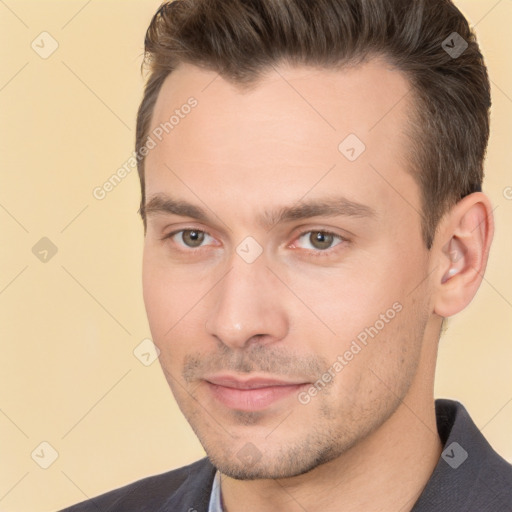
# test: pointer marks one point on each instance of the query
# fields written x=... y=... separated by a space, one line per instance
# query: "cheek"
x=347 y=303
x=371 y=378
x=164 y=299
x=376 y=321
x=173 y=306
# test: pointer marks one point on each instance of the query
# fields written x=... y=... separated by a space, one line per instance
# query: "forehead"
x=299 y=130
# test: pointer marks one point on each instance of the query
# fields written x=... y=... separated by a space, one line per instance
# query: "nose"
x=247 y=306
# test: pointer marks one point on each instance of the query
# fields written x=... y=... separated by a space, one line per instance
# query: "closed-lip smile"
x=250 y=393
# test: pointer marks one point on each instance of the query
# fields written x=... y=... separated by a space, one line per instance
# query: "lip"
x=250 y=393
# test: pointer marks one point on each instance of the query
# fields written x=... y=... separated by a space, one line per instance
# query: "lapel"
x=193 y=495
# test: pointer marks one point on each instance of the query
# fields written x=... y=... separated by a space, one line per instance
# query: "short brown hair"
x=240 y=39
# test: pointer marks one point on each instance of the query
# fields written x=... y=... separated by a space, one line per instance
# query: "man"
x=311 y=195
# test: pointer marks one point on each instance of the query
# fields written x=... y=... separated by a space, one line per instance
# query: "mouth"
x=251 y=393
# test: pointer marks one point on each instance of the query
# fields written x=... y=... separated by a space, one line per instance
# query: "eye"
x=319 y=240
x=189 y=238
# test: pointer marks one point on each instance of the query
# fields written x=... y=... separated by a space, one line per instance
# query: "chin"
x=251 y=464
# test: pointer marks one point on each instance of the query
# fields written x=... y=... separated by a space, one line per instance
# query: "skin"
x=290 y=313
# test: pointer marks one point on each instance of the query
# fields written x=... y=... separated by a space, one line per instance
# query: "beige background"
x=69 y=325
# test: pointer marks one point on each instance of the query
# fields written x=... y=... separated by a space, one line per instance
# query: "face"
x=284 y=266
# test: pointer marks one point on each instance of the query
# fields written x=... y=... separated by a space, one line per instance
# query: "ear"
x=461 y=249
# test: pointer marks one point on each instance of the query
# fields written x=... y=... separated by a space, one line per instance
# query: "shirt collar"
x=215 y=497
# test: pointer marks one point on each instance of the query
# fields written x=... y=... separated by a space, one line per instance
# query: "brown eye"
x=321 y=240
x=192 y=238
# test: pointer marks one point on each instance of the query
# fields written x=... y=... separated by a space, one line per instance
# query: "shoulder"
x=470 y=476
x=152 y=493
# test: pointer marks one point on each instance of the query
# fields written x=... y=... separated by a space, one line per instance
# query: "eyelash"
x=316 y=253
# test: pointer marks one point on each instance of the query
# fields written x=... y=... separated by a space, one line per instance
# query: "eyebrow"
x=163 y=204
x=304 y=209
